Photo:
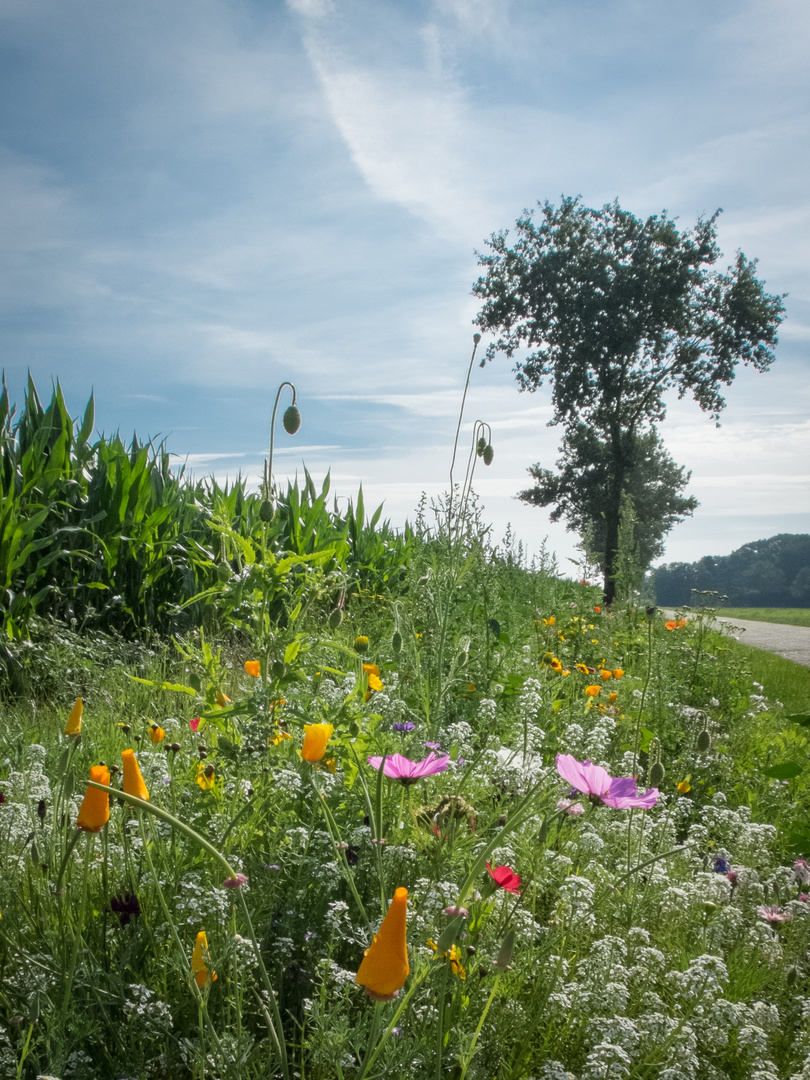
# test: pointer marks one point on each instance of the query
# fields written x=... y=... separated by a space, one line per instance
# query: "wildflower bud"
x=449 y=934
x=354 y=729
x=650 y=611
x=335 y=619
x=502 y=820
x=476 y=338
x=709 y=907
x=396 y=642
x=457 y=912
x=125 y=729
x=704 y=741
x=175 y=747
x=136 y=738
x=203 y=754
x=41 y=810
x=481 y=446
x=471 y=950
x=657 y=774
x=291 y=419
x=267 y=511
x=504 y=960
x=361 y=644
x=489 y=454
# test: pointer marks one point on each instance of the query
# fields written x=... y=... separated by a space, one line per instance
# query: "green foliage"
x=763 y=573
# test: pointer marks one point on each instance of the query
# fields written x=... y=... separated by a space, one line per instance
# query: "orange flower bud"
x=316 y=736
x=73 y=727
x=384 y=968
x=203 y=976
x=133 y=781
x=94 y=813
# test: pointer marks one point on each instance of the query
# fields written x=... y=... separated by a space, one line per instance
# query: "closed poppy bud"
x=133 y=781
x=73 y=727
x=396 y=642
x=335 y=618
x=489 y=454
x=291 y=419
x=253 y=667
x=506 y=952
x=156 y=734
x=267 y=511
x=316 y=736
x=94 y=813
x=384 y=968
x=656 y=774
x=481 y=446
x=203 y=975
x=704 y=741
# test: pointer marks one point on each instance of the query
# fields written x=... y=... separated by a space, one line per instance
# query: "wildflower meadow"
x=365 y=804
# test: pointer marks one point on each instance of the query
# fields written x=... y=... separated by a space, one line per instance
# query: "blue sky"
x=200 y=199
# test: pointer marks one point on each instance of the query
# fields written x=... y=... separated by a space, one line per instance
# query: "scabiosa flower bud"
x=291 y=419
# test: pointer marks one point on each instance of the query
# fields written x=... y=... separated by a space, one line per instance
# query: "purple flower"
x=721 y=865
x=404 y=725
x=433 y=745
x=400 y=768
x=235 y=882
x=618 y=792
x=801 y=871
x=773 y=914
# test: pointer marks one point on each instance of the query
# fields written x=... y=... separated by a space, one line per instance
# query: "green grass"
x=786 y=616
x=782 y=679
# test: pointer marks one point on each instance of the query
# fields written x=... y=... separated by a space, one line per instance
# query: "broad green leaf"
x=785 y=771
x=292 y=651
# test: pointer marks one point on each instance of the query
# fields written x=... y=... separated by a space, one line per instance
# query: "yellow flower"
x=133 y=781
x=583 y=668
x=592 y=691
x=361 y=644
x=73 y=727
x=384 y=968
x=613 y=696
x=280 y=736
x=203 y=975
x=550 y=621
x=94 y=813
x=454 y=957
x=618 y=672
x=372 y=674
x=316 y=736
x=156 y=734
x=684 y=787
x=555 y=664
x=253 y=667
x=206 y=776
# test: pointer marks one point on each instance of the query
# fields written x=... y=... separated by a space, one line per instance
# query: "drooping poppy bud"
x=384 y=968
x=73 y=728
x=94 y=813
x=133 y=781
x=291 y=419
x=489 y=454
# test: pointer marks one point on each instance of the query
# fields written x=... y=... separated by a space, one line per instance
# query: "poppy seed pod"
x=335 y=619
x=489 y=454
x=291 y=419
x=704 y=741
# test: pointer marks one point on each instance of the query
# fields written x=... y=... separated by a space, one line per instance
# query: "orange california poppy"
x=133 y=781
x=613 y=696
x=316 y=736
x=73 y=727
x=592 y=691
x=606 y=674
x=94 y=813
x=203 y=975
x=618 y=673
x=253 y=667
x=384 y=968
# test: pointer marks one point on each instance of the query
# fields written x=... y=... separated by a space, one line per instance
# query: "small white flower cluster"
x=487 y=710
x=144 y=1007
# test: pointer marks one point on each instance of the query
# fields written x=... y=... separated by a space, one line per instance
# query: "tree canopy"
x=615 y=312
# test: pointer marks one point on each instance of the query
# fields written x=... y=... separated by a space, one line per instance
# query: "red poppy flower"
x=505 y=877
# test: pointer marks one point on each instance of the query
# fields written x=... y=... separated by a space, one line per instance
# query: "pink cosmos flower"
x=400 y=768
x=572 y=809
x=801 y=871
x=593 y=780
x=505 y=877
x=773 y=914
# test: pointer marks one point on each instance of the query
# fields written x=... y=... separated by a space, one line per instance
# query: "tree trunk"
x=621 y=443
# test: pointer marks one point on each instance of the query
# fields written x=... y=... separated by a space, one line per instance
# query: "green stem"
x=88 y=853
x=471 y=1051
x=440 y=1020
x=643 y=692
x=369 y=1062
x=376 y=1021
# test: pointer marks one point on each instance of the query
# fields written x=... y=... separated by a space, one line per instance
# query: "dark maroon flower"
x=126 y=907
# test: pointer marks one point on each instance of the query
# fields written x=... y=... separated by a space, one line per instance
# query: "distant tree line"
x=764 y=573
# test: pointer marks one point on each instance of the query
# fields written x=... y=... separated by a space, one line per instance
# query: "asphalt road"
x=792 y=642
